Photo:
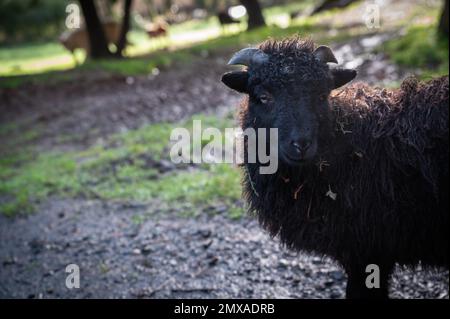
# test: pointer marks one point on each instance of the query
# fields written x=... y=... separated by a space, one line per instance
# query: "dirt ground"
x=166 y=256
x=160 y=255
x=90 y=108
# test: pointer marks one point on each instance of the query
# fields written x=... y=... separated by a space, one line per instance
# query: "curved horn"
x=324 y=54
x=248 y=56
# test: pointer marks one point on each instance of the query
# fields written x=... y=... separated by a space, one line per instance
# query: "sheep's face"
x=288 y=85
x=296 y=104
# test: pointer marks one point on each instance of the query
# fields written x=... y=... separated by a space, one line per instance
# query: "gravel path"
x=123 y=252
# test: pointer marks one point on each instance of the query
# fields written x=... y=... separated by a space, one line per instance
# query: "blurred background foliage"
x=31 y=20
x=37 y=20
x=29 y=30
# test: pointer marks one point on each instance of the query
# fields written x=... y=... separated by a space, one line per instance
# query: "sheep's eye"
x=323 y=97
x=264 y=98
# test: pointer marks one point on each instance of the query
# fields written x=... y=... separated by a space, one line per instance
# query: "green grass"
x=44 y=175
x=134 y=66
x=33 y=58
x=31 y=51
x=119 y=170
x=420 y=48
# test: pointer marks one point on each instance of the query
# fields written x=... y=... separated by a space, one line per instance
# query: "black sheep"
x=363 y=172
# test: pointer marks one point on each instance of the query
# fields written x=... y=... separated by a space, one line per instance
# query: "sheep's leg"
x=357 y=287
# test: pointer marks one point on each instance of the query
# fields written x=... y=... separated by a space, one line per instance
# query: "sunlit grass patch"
x=33 y=58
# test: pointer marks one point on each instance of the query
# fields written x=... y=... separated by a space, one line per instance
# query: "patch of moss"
x=123 y=168
x=420 y=48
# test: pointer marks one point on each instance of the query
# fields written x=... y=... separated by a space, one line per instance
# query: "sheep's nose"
x=301 y=146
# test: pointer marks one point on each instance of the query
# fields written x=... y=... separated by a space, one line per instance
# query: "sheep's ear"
x=236 y=80
x=342 y=76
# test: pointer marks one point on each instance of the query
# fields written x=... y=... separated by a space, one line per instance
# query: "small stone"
x=335 y=295
x=213 y=261
x=147 y=263
x=337 y=275
x=147 y=249
x=155 y=72
x=221 y=209
x=207 y=243
x=283 y=262
x=10 y=261
x=166 y=166
x=129 y=80
x=316 y=261
x=36 y=246
x=173 y=262
x=205 y=233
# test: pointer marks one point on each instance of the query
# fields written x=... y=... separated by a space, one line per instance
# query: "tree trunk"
x=443 y=22
x=125 y=28
x=98 y=46
x=255 y=16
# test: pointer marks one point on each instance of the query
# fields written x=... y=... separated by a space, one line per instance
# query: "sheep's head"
x=288 y=83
